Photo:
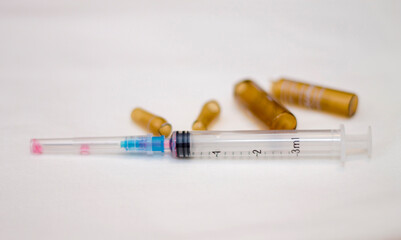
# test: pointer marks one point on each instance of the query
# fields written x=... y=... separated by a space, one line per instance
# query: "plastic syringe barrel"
x=269 y=144
x=217 y=144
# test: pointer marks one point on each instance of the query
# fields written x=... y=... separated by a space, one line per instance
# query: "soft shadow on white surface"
x=78 y=68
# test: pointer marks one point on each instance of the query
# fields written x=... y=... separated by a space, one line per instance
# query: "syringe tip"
x=36 y=147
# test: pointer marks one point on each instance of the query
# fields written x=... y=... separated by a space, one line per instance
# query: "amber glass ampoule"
x=315 y=97
x=151 y=123
x=263 y=106
x=210 y=111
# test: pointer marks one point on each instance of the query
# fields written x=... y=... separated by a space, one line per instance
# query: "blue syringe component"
x=147 y=144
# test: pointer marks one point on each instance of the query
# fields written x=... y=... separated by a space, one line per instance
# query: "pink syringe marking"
x=84 y=149
x=36 y=147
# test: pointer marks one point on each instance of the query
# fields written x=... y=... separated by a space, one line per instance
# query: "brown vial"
x=316 y=97
x=263 y=106
x=209 y=112
x=152 y=123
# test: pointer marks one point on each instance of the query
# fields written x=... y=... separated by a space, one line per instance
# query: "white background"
x=78 y=68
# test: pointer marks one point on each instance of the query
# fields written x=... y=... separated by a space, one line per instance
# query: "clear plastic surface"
x=222 y=144
x=278 y=144
x=91 y=145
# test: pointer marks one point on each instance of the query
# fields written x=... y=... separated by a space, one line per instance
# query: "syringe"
x=221 y=144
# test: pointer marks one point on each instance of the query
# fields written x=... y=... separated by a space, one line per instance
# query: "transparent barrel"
x=148 y=144
x=275 y=144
